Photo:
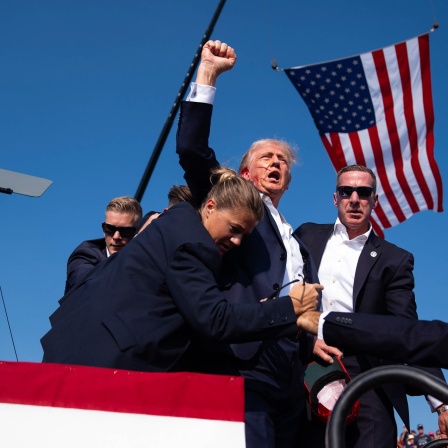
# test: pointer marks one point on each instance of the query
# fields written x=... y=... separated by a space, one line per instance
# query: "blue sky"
x=86 y=88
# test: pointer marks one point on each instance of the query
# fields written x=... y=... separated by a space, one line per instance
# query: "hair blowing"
x=232 y=192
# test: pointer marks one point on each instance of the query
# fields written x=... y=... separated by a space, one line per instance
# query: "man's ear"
x=245 y=174
x=335 y=199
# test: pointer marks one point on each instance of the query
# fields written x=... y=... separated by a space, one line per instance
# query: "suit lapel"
x=319 y=243
x=270 y=221
x=369 y=256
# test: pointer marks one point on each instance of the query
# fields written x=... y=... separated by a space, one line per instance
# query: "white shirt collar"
x=341 y=230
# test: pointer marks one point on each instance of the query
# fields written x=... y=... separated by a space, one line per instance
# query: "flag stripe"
x=383 y=177
x=191 y=395
x=333 y=146
x=437 y=191
x=406 y=81
x=52 y=427
x=376 y=110
x=395 y=144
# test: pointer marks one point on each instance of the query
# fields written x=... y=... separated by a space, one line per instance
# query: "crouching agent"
x=139 y=309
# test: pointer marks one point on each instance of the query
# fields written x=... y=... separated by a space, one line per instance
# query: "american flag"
x=376 y=110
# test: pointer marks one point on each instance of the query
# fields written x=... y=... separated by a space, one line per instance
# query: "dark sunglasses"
x=125 y=232
x=363 y=192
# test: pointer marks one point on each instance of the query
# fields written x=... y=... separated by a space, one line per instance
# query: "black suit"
x=83 y=259
x=140 y=308
x=383 y=285
x=253 y=270
x=394 y=338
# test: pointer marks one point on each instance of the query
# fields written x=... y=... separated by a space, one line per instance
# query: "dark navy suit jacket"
x=140 y=308
x=394 y=338
x=383 y=284
x=83 y=259
x=251 y=271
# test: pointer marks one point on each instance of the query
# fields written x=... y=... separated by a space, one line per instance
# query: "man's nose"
x=354 y=197
x=116 y=235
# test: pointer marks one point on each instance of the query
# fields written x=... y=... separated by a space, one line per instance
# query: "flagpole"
x=169 y=121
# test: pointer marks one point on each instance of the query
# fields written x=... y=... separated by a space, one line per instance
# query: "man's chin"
x=274 y=188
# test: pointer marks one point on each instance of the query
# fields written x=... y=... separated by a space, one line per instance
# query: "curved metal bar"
x=437 y=443
x=429 y=385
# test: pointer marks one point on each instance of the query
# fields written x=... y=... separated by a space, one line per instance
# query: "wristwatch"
x=442 y=409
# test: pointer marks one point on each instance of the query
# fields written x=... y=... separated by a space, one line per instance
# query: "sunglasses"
x=125 y=232
x=363 y=192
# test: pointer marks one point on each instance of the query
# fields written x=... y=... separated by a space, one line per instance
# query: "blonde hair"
x=231 y=192
x=125 y=204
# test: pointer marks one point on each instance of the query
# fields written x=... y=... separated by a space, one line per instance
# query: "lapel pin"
x=373 y=254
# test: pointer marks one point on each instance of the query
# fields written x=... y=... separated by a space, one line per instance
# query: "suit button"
x=283 y=257
x=349 y=321
x=276 y=286
x=338 y=319
x=271 y=321
x=284 y=318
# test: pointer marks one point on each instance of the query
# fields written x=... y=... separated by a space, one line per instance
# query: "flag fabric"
x=54 y=405
x=375 y=109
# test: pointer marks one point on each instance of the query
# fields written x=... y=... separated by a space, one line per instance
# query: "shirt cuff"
x=200 y=93
x=320 y=328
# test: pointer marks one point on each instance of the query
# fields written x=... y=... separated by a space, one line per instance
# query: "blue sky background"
x=86 y=87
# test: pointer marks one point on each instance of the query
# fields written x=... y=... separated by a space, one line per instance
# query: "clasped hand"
x=304 y=297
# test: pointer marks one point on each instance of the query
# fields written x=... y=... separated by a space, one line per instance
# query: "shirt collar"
x=274 y=210
x=340 y=230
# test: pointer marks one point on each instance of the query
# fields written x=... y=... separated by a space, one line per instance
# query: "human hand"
x=309 y=321
x=148 y=222
x=443 y=424
x=325 y=351
x=217 y=57
x=304 y=297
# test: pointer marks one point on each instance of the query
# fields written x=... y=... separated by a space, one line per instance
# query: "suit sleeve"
x=399 y=294
x=394 y=338
x=79 y=266
x=193 y=288
x=195 y=156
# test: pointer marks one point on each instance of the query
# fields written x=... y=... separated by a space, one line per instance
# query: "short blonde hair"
x=125 y=204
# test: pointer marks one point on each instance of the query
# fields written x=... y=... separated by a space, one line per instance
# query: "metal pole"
x=428 y=384
x=169 y=121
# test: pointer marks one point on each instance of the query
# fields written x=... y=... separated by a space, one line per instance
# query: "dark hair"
x=362 y=168
x=179 y=193
x=231 y=191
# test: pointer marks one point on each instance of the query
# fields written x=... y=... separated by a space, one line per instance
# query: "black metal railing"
x=428 y=384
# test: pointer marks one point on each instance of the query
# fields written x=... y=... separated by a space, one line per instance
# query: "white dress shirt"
x=338 y=267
